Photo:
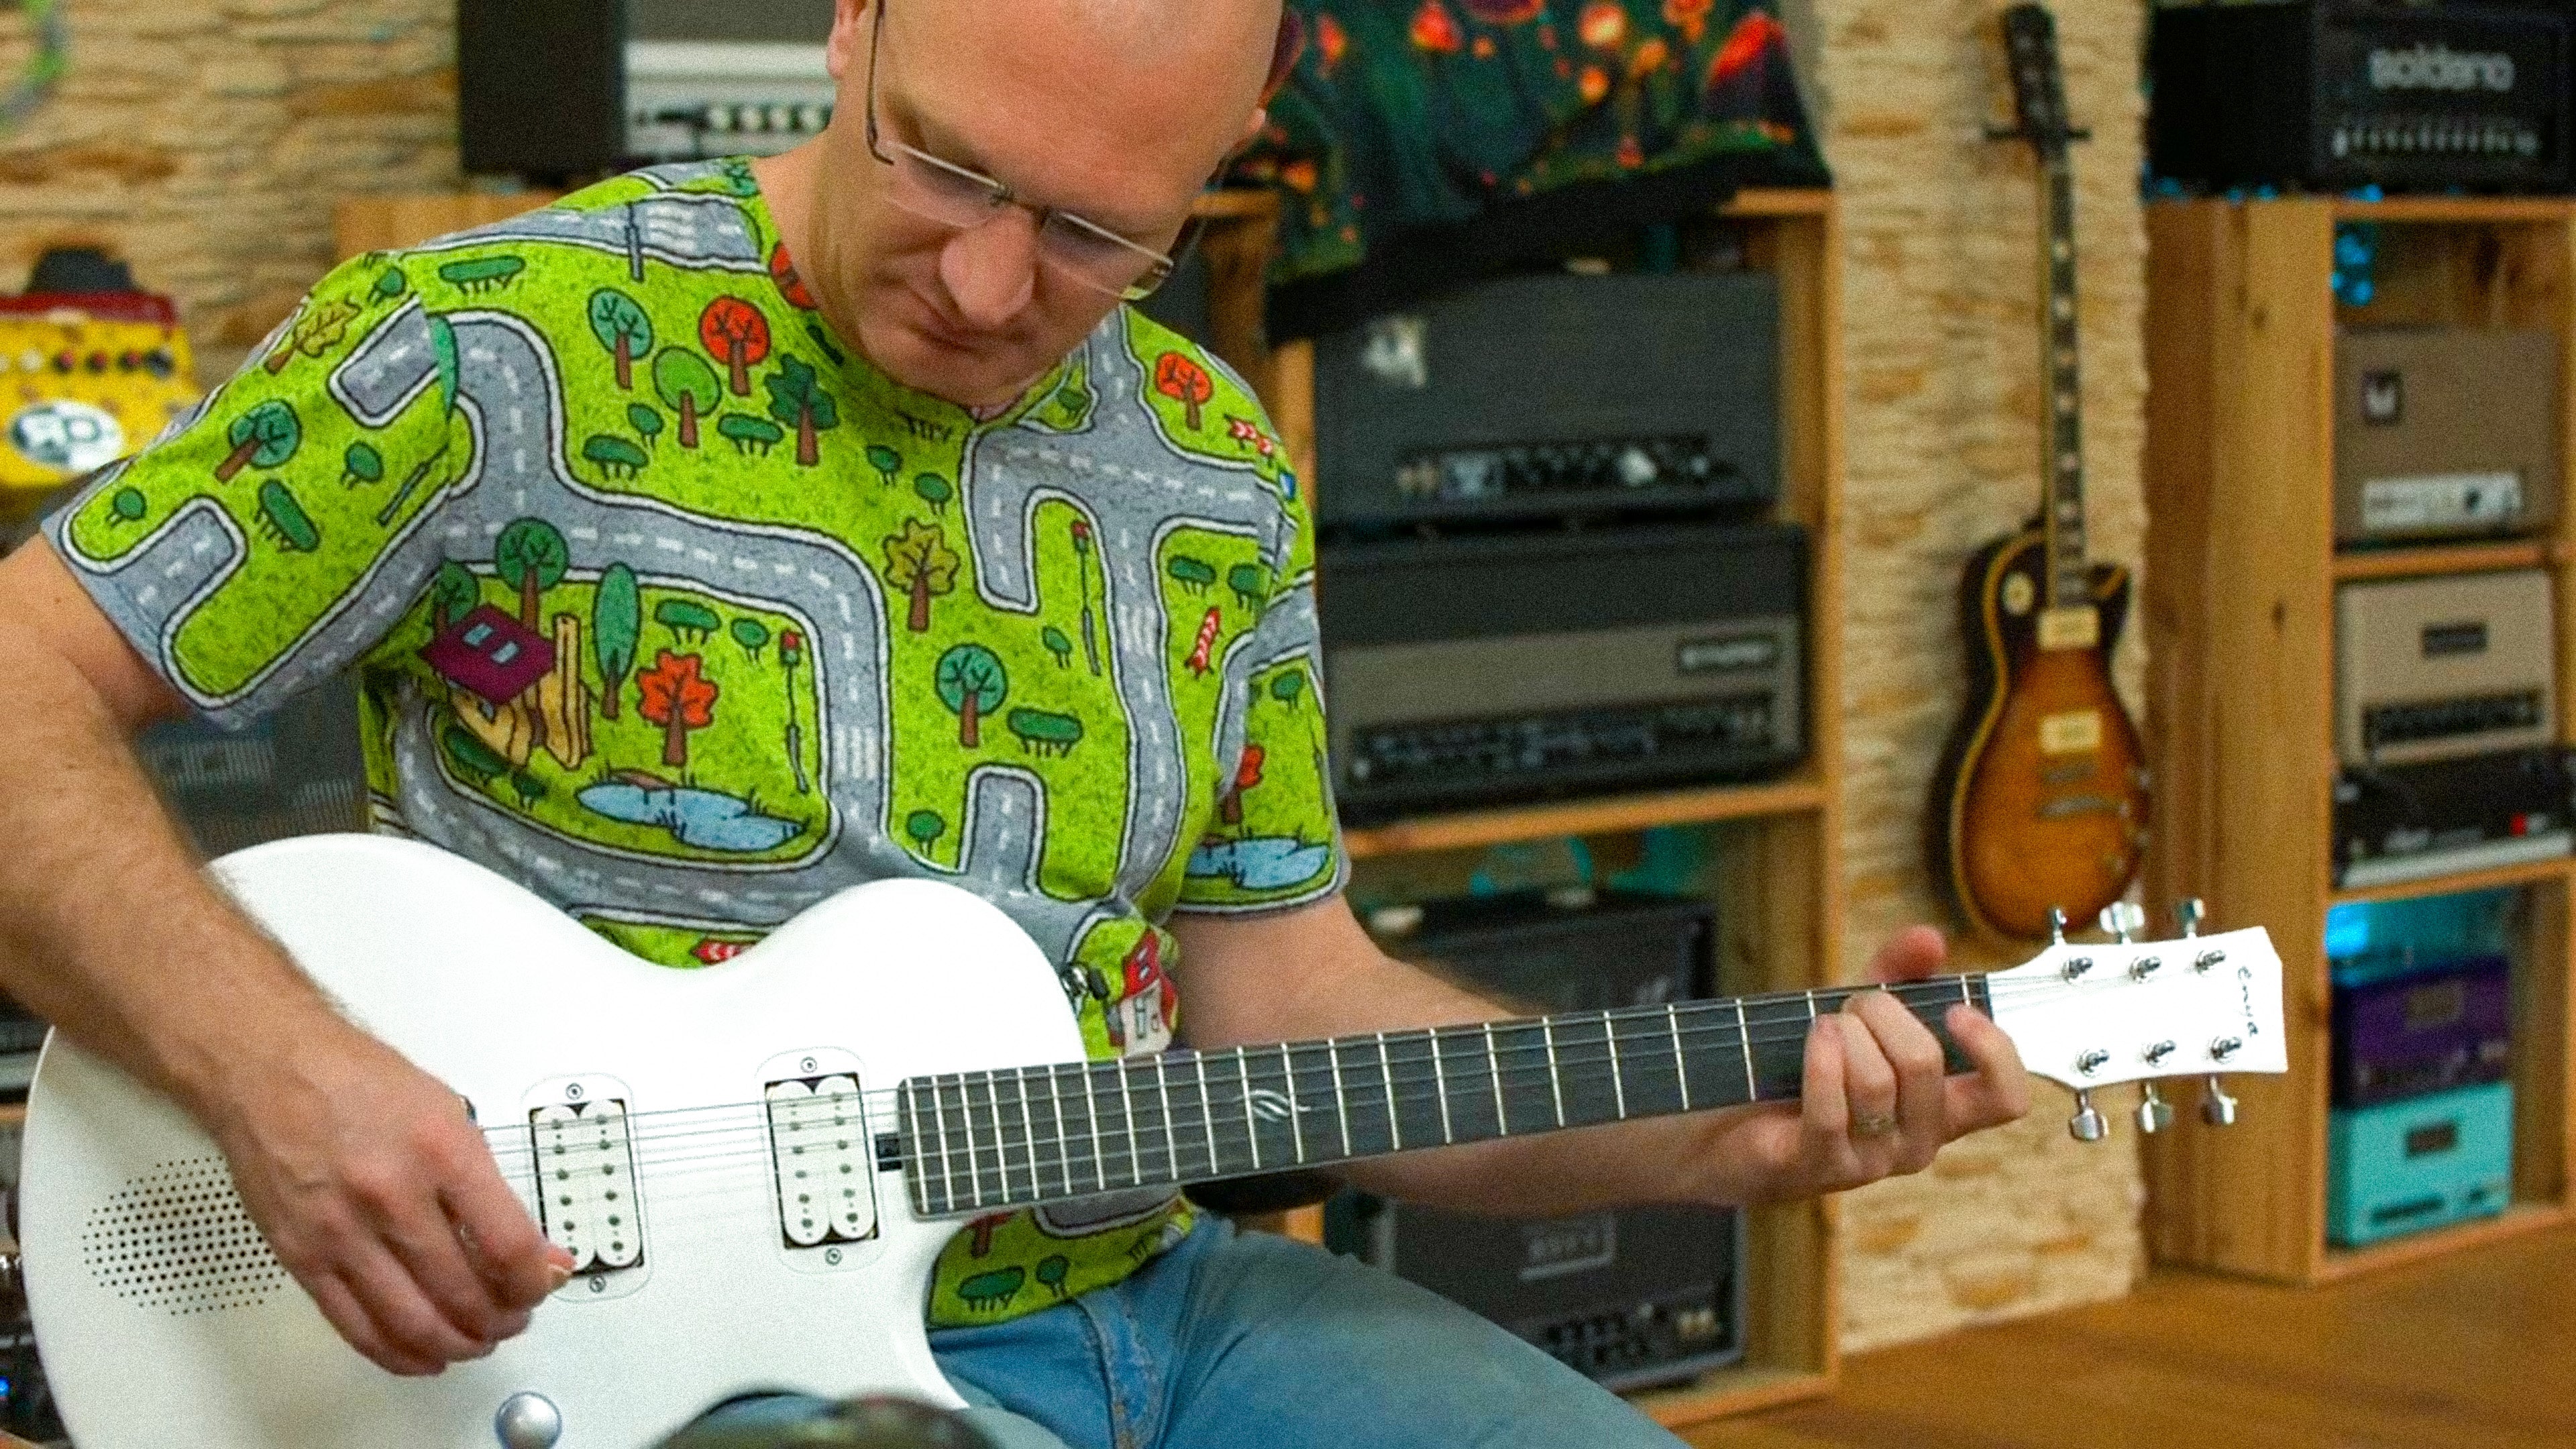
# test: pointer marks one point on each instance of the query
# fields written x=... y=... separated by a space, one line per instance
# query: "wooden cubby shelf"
x=1797 y=795
x=2241 y=574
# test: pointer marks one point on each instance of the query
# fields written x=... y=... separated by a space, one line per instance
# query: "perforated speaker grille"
x=178 y=1239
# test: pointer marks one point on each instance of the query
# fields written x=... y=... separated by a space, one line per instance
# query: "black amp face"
x=2335 y=94
x=1490 y=668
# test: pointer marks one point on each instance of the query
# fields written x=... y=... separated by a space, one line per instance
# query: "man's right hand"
x=381 y=1197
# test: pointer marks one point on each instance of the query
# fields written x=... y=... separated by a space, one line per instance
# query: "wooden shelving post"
x=2241 y=571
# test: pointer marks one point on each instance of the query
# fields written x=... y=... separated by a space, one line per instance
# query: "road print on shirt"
x=665 y=603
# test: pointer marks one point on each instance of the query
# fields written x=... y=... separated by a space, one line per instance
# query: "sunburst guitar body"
x=2041 y=800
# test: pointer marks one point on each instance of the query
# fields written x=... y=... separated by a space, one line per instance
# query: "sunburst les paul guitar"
x=755 y=1165
x=2041 y=799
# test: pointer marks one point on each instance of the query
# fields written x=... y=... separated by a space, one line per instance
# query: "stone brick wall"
x=206 y=140
x=1941 y=350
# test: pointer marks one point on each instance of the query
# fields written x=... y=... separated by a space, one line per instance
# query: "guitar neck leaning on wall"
x=754 y=1166
x=2040 y=803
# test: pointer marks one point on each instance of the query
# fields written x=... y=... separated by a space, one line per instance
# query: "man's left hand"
x=1875 y=1101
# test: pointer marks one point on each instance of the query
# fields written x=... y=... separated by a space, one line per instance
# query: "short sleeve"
x=272 y=536
x=1276 y=843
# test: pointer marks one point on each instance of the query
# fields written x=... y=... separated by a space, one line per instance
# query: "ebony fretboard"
x=979 y=1141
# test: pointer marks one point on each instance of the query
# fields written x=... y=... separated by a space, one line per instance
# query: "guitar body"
x=2041 y=798
x=165 y=1320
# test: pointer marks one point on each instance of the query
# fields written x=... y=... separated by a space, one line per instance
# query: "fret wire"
x=1063 y=1144
x=1618 y=1088
x=1127 y=1107
x=1001 y=1140
x=1341 y=1100
x=1171 y=1140
x=1744 y=1039
x=1251 y=1126
x=1386 y=1076
x=1681 y=1065
x=1440 y=1088
x=1091 y=1110
x=1296 y=1114
x=1494 y=1066
x=1555 y=1080
x=966 y=1113
x=1029 y=1134
x=1207 y=1110
x=920 y=1179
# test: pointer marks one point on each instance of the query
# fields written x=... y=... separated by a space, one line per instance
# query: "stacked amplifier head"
x=1543 y=568
x=2446 y=724
x=579 y=88
x=2335 y=94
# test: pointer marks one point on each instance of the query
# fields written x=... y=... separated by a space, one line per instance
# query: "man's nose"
x=990 y=271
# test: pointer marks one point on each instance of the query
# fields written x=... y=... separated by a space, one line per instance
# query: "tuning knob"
x=2155 y=1114
x=2087 y=1125
x=2056 y=926
x=2190 y=913
x=2216 y=1107
x=2123 y=920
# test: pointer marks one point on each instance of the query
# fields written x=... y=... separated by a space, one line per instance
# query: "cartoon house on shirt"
x=514 y=689
x=1140 y=1021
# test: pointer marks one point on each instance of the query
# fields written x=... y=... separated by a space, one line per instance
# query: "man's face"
x=1114 y=110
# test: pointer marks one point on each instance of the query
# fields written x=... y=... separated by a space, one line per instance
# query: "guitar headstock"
x=2095 y=1014
x=2039 y=85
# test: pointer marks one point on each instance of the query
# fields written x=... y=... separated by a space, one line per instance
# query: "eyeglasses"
x=964 y=198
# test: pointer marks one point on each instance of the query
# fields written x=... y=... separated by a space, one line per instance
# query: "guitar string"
x=1128 y=1142
x=1792 y=1024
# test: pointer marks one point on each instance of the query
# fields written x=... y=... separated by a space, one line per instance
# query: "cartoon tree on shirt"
x=735 y=332
x=266 y=436
x=530 y=556
x=921 y=564
x=689 y=387
x=676 y=696
x=622 y=327
x=797 y=398
x=971 y=683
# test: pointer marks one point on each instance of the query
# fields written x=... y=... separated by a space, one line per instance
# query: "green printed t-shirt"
x=666 y=604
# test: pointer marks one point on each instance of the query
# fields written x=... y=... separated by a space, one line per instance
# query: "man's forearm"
x=109 y=928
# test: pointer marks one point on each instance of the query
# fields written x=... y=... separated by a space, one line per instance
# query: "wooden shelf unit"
x=2240 y=579
x=1776 y=873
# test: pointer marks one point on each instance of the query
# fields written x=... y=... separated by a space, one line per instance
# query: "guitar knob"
x=528 y=1421
x=2155 y=1114
x=2087 y=1125
x=2216 y=1107
x=2190 y=913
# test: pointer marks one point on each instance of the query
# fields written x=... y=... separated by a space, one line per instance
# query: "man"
x=870 y=536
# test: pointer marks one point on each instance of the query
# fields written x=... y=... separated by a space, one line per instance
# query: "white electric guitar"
x=756 y=1164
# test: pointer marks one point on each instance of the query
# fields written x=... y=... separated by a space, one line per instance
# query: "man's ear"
x=849 y=41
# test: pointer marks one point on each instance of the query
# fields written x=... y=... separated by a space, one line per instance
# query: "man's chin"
x=962 y=373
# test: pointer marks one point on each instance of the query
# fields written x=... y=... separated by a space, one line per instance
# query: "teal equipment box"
x=2418 y=1163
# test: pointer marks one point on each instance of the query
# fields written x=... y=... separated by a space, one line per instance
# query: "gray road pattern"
x=1131 y=484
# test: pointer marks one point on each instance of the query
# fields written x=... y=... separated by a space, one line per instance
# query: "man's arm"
x=372 y=1186
x=1313 y=972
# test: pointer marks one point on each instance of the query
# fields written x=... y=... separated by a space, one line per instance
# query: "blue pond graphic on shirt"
x=1261 y=863
x=704 y=819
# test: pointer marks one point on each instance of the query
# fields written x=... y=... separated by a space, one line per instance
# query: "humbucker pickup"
x=585 y=1177
x=825 y=1161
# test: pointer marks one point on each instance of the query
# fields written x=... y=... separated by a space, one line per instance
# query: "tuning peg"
x=2216 y=1107
x=2190 y=913
x=2087 y=1125
x=2122 y=920
x=2056 y=926
x=2155 y=1114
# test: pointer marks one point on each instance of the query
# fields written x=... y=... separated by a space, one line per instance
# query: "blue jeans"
x=1234 y=1339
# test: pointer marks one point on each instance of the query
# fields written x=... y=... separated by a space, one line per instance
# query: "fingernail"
x=557 y=1275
